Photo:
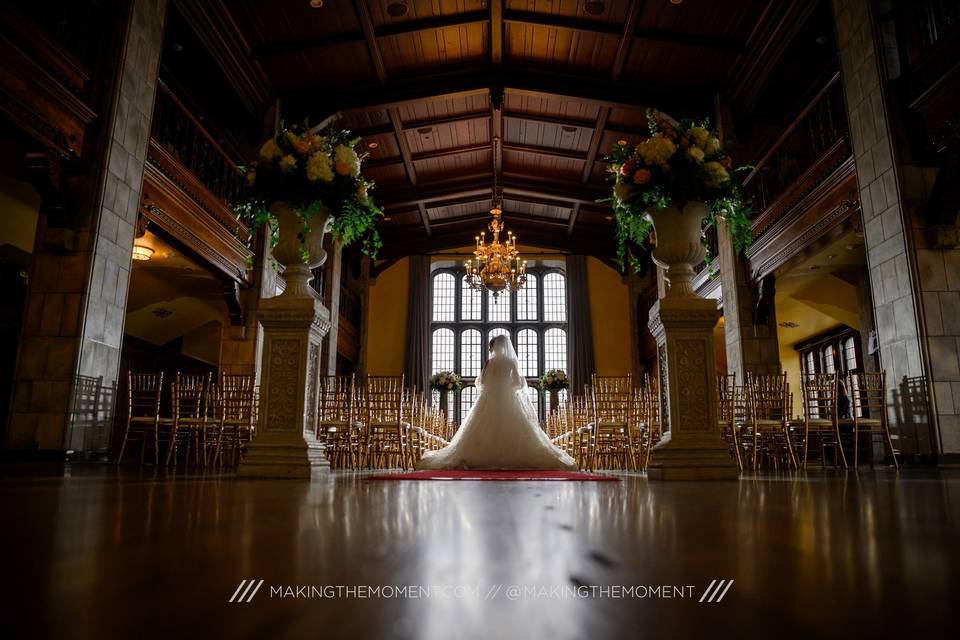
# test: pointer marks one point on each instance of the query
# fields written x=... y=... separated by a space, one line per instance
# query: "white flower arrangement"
x=554 y=380
x=446 y=381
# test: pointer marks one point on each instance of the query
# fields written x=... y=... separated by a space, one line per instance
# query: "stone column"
x=241 y=346
x=76 y=305
x=691 y=447
x=915 y=291
x=751 y=347
x=331 y=298
x=285 y=445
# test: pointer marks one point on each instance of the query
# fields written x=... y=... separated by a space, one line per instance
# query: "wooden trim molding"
x=815 y=214
x=40 y=103
x=175 y=200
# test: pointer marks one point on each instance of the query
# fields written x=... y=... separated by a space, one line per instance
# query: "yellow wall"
x=388 y=320
x=816 y=304
x=19 y=204
x=610 y=317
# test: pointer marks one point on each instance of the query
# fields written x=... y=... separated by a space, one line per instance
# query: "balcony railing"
x=188 y=141
x=189 y=183
x=815 y=134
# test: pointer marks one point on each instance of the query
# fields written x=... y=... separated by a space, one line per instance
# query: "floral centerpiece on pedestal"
x=673 y=180
x=310 y=181
x=554 y=381
x=445 y=382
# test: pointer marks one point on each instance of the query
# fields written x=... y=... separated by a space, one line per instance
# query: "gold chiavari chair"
x=819 y=391
x=640 y=428
x=189 y=415
x=767 y=418
x=582 y=431
x=868 y=411
x=386 y=441
x=143 y=413
x=655 y=428
x=727 y=396
x=237 y=397
x=612 y=419
x=337 y=425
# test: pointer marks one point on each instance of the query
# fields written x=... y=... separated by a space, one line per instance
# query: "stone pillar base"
x=696 y=457
x=285 y=445
x=299 y=458
x=691 y=447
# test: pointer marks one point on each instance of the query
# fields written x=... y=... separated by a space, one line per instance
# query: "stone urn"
x=299 y=252
x=678 y=244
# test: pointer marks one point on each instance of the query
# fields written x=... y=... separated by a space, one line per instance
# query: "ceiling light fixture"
x=397 y=9
x=142 y=252
x=373 y=145
x=676 y=1
x=594 y=7
x=316 y=4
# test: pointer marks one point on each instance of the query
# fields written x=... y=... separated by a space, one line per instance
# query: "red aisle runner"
x=459 y=474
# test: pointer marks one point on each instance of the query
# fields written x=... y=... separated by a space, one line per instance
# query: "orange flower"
x=343 y=168
x=302 y=146
x=628 y=167
x=726 y=161
x=642 y=176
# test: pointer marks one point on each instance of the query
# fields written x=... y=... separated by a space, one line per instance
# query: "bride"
x=501 y=431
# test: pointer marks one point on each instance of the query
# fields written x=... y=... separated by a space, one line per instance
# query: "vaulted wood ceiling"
x=453 y=96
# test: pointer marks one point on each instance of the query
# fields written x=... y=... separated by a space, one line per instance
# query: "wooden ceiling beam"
x=424 y=218
x=496 y=32
x=542 y=190
x=384 y=31
x=466 y=81
x=580 y=123
x=573 y=218
x=507 y=217
x=216 y=28
x=545 y=151
x=369 y=34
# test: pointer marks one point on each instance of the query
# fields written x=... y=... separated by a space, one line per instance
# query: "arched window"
x=527 y=300
x=443 y=357
x=444 y=297
x=555 y=349
x=468 y=396
x=470 y=302
x=465 y=320
x=471 y=353
x=554 y=297
x=527 y=352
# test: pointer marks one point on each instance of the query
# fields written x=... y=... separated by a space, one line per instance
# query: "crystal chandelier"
x=498 y=265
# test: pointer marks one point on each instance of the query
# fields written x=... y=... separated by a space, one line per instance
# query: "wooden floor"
x=96 y=552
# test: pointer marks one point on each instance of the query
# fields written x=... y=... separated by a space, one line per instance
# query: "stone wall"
x=913 y=292
x=76 y=304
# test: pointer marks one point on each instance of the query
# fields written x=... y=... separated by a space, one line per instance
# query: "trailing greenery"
x=309 y=171
x=675 y=163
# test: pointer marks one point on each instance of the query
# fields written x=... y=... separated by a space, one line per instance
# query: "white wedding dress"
x=501 y=431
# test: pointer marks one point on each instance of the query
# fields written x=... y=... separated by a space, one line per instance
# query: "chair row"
x=613 y=425
x=212 y=421
x=838 y=412
x=377 y=423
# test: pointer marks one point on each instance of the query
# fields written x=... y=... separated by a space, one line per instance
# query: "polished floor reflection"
x=98 y=552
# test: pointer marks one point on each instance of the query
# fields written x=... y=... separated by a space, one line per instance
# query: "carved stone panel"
x=692 y=392
x=283 y=377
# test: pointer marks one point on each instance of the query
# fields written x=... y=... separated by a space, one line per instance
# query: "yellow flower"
x=362 y=192
x=656 y=150
x=346 y=161
x=288 y=163
x=695 y=153
x=698 y=135
x=320 y=167
x=711 y=146
x=269 y=150
x=716 y=174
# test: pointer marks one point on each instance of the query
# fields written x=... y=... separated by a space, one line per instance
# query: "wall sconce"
x=142 y=252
